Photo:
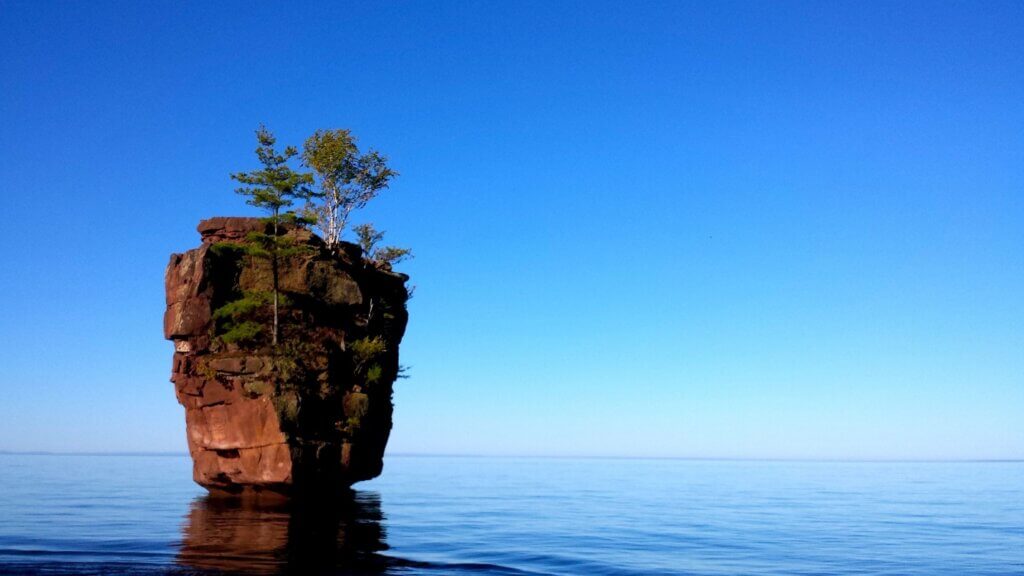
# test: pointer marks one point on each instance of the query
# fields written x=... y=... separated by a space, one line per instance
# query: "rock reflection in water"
x=336 y=535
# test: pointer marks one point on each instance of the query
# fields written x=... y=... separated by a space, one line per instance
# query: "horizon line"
x=129 y=453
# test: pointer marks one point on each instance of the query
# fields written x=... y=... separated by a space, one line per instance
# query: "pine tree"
x=273 y=188
x=369 y=237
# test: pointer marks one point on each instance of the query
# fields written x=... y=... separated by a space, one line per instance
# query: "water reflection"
x=320 y=536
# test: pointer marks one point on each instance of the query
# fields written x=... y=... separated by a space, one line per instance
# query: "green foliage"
x=330 y=153
x=243 y=307
x=287 y=359
x=300 y=219
x=343 y=179
x=273 y=187
x=347 y=179
x=273 y=247
x=373 y=373
x=369 y=237
x=260 y=245
x=242 y=333
x=239 y=321
x=366 y=348
x=391 y=255
x=229 y=249
x=364 y=352
x=357 y=405
x=276 y=185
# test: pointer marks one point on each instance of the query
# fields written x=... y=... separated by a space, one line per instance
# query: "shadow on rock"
x=338 y=535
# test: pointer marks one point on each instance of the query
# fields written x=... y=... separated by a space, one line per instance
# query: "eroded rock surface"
x=313 y=410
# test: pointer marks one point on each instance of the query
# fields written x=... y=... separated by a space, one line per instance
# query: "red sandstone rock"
x=263 y=418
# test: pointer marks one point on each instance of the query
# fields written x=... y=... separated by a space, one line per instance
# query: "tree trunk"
x=273 y=267
x=331 y=209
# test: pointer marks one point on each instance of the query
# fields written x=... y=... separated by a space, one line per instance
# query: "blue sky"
x=772 y=230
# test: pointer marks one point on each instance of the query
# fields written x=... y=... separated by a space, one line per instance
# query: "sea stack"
x=312 y=410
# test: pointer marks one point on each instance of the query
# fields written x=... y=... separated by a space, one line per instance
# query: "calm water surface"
x=143 y=515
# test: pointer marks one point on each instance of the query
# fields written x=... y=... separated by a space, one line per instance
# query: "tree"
x=273 y=187
x=369 y=237
x=346 y=179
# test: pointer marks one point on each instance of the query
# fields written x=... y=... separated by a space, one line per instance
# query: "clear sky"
x=701 y=229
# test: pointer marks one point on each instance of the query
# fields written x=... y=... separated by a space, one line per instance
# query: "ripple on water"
x=142 y=514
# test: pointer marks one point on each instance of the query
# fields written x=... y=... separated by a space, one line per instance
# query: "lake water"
x=428 y=515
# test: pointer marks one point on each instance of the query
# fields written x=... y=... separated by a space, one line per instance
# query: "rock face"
x=314 y=410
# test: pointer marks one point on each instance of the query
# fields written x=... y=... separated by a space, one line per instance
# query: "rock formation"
x=314 y=410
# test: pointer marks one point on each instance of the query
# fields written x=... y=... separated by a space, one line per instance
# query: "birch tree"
x=345 y=179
